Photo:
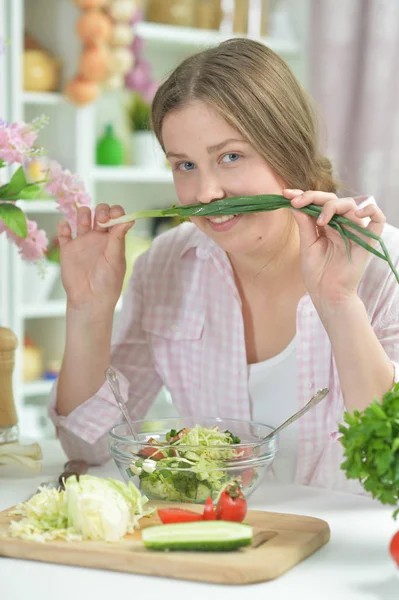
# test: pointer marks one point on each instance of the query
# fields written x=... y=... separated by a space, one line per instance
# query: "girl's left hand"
x=329 y=276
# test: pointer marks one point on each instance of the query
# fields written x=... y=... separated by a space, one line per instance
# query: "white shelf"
x=38 y=206
x=52 y=308
x=41 y=387
x=42 y=98
x=132 y=174
x=156 y=33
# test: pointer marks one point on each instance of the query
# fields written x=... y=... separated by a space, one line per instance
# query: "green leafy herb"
x=371 y=442
x=232 y=439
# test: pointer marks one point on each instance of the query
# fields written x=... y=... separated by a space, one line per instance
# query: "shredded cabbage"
x=89 y=508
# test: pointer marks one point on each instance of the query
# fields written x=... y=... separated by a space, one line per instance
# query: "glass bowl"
x=164 y=470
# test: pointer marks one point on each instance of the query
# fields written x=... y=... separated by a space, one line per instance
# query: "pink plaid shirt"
x=181 y=326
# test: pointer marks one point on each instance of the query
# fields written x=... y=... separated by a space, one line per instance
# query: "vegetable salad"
x=192 y=465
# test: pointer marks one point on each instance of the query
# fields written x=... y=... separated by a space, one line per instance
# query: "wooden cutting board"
x=280 y=542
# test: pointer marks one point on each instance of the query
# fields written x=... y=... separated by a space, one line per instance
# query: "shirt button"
x=310 y=384
x=174 y=327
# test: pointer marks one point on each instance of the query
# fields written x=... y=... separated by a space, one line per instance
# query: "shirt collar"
x=201 y=242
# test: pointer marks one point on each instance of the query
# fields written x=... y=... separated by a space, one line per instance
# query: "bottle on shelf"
x=109 y=150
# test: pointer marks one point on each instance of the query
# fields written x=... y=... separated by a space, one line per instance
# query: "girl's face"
x=210 y=161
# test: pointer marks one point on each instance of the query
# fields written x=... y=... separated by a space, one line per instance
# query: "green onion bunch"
x=266 y=202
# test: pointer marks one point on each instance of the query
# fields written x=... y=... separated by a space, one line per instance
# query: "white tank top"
x=273 y=392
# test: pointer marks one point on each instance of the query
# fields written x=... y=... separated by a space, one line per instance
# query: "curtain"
x=354 y=78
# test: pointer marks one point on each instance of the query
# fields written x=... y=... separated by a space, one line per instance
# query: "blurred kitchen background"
x=92 y=66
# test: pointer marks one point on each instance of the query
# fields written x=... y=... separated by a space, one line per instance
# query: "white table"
x=354 y=565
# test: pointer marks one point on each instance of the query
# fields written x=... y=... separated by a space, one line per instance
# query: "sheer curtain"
x=354 y=78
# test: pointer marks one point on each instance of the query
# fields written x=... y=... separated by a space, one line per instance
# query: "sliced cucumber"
x=200 y=535
x=203 y=491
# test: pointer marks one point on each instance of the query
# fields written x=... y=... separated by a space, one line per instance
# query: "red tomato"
x=179 y=435
x=209 y=513
x=231 y=505
x=245 y=452
x=149 y=452
x=247 y=477
x=394 y=548
x=178 y=515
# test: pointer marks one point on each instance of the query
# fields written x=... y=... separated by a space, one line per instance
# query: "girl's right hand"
x=93 y=264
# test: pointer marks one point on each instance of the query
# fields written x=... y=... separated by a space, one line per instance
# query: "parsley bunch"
x=371 y=442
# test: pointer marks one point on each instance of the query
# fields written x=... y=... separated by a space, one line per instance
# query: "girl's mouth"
x=223 y=222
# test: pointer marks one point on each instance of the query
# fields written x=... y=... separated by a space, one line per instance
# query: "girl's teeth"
x=222 y=219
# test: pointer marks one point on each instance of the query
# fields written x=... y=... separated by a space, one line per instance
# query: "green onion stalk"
x=265 y=202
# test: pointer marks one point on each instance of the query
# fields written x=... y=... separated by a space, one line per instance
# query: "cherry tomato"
x=394 y=548
x=209 y=513
x=178 y=515
x=231 y=505
x=149 y=452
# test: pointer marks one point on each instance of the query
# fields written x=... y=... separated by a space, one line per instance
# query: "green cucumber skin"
x=204 y=536
x=222 y=546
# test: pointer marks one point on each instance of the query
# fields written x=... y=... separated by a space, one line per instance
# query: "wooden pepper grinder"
x=8 y=413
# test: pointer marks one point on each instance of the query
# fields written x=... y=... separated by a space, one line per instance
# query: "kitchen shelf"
x=52 y=308
x=41 y=387
x=169 y=35
x=132 y=174
x=42 y=98
x=38 y=206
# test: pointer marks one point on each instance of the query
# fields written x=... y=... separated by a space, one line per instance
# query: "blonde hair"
x=255 y=92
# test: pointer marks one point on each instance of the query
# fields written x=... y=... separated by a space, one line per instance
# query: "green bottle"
x=109 y=150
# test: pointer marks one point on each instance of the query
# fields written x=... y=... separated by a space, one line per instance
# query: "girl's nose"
x=210 y=189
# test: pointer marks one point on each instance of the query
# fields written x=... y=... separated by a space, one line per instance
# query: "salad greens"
x=191 y=467
x=371 y=442
x=89 y=508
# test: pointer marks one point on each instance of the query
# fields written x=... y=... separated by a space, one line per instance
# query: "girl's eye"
x=231 y=157
x=186 y=166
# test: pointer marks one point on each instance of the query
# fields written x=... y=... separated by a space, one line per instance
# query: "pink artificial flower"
x=139 y=77
x=137 y=46
x=137 y=16
x=149 y=92
x=17 y=139
x=33 y=247
x=68 y=189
